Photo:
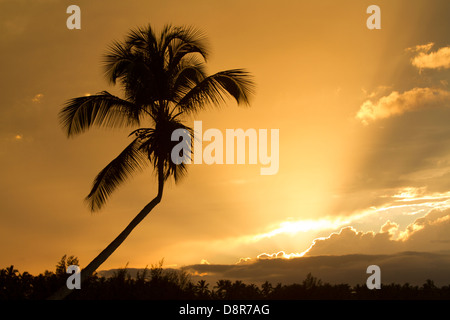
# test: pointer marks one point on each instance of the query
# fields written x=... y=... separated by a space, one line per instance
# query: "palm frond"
x=183 y=40
x=184 y=43
x=189 y=72
x=235 y=83
x=133 y=69
x=117 y=171
x=117 y=60
x=103 y=109
x=142 y=38
x=158 y=145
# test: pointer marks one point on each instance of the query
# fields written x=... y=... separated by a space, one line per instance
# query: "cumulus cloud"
x=244 y=260
x=425 y=59
x=389 y=227
x=428 y=233
x=350 y=241
x=431 y=232
x=397 y=103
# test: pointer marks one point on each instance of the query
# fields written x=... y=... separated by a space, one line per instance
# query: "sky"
x=364 y=140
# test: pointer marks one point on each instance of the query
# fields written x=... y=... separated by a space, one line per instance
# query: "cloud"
x=17 y=137
x=377 y=92
x=421 y=47
x=420 y=252
x=428 y=233
x=403 y=267
x=244 y=260
x=431 y=232
x=293 y=227
x=389 y=227
x=397 y=103
x=37 y=98
x=350 y=241
x=439 y=59
x=278 y=255
x=373 y=230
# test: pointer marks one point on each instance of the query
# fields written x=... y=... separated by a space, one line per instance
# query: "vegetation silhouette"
x=157 y=283
x=164 y=78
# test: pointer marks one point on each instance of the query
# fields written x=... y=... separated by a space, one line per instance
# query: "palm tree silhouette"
x=223 y=288
x=163 y=78
x=202 y=288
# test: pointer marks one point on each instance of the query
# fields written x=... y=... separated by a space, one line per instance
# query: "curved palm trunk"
x=91 y=267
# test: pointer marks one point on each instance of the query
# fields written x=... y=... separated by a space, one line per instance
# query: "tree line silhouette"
x=157 y=283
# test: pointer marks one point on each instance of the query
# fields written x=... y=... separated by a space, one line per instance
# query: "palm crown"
x=163 y=77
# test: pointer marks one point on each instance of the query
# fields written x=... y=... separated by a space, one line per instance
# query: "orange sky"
x=362 y=115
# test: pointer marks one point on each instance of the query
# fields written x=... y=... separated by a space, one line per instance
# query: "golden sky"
x=362 y=114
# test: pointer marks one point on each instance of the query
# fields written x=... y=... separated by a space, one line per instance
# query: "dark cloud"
x=405 y=267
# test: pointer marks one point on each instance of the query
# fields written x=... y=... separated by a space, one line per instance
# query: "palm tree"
x=163 y=78
x=266 y=289
x=202 y=288
x=223 y=288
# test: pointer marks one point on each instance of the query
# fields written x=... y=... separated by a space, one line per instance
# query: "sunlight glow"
x=279 y=255
x=408 y=193
x=294 y=227
x=413 y=206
